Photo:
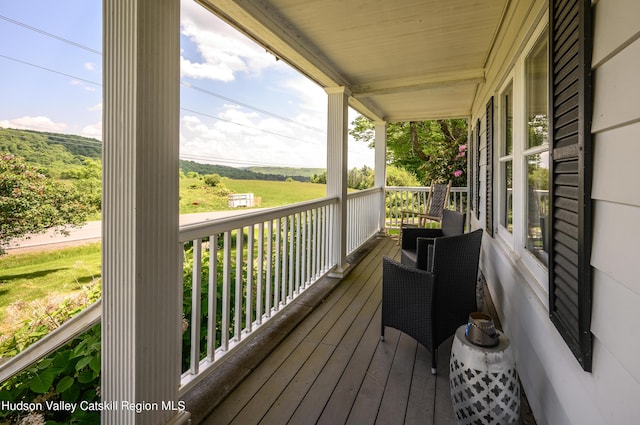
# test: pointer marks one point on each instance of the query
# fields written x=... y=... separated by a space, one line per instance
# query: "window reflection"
x=537 y=108
x=538 y=205
x=537 y=153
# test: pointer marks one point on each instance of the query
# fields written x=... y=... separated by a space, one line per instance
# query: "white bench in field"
x=241 y=200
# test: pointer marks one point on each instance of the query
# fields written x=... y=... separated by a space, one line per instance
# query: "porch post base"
x=341 y=271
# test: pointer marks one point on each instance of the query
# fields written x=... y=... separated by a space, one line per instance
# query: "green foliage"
x=212 y=180
x=32 y=203
x=88 y=180
x=539 y=178
x=400 y=177
x=319 y=178
x=33 y=329
x=360 y=178
x=432 y=150
x=71 y=374
x=49 y=150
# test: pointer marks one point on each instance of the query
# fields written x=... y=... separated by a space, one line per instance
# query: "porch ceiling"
x=402 y=60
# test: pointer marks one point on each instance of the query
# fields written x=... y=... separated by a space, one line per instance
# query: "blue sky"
x=239 y=106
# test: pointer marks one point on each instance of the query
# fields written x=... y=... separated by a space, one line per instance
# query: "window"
x=506 y=159
x=536 y=152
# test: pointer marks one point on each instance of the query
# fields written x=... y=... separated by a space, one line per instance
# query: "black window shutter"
x=476 y=180
x=489 y=182
x=570 y=212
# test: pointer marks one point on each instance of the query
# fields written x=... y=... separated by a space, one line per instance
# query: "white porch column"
x=380 y=167
x=337 y=143
x=140 y=269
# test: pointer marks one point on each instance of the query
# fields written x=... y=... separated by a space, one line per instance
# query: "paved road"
x=91 y=232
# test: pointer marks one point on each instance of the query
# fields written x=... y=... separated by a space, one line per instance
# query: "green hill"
x=49 y=149
x=289 y=172
x=243 y=173
x=52 y=151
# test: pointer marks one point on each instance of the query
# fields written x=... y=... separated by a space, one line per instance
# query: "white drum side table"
x=484 y=382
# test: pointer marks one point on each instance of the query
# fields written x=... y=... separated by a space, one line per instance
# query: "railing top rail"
x=457 y=189
x=198 y=230
x=73 y=327
x=364 y=192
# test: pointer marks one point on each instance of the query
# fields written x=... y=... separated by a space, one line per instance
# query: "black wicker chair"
x=430 y=305
x=415 y=240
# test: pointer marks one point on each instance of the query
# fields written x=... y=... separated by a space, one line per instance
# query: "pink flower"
x=461 y=154
x=462 y=148
x=457 y=173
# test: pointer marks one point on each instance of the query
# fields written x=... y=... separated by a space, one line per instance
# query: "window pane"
x=507 y=196
x=508 y=121
x=538 y=205
x=537 y=110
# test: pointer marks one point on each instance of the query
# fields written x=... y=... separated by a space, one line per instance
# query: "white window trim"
x=503 y=232
x=514 y=242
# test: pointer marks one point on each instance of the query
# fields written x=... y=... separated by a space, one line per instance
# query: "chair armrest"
x=411 y=234
x=402 y=282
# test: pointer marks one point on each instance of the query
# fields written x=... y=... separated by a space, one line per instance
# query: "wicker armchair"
x=416 y=239
x=430 y=305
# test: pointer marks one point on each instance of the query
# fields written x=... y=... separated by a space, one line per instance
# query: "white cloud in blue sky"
x=239 y=106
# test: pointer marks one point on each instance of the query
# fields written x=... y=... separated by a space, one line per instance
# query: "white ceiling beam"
x=431 y=115
x=450 y=79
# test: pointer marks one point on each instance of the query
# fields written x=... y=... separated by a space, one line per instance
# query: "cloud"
x=241 y=138
x=90 y=66
x=92 y=130
x=96 y=107
x=223 y=51
x=38 y=123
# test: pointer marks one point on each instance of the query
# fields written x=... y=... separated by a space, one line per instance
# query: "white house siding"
x=559 y=391
x=616 y=201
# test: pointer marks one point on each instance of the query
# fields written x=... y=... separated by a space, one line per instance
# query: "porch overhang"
x=402 y=60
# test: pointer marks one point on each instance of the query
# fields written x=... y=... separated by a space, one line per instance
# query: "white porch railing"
x=244 y=270
x=363 y=216
x=399 y=198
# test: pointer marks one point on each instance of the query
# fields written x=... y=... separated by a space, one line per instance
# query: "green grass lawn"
x=278 y=193
x=29 y=277
x=196 y=196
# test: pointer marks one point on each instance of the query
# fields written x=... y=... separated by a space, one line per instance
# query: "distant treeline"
x=52 y=150
x=235 y=173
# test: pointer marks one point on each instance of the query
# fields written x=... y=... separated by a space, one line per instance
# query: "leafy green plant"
x=71 y=374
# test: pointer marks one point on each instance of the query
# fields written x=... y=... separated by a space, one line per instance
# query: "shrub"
x=212 y=180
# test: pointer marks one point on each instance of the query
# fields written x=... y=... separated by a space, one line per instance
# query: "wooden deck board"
x=333 y=368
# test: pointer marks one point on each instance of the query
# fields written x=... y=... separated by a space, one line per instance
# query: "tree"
x=32 y=203
x=400 y=177
x=360 y=178
x=432 y=150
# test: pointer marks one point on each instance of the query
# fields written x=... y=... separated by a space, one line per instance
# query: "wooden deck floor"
x=333 y=368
